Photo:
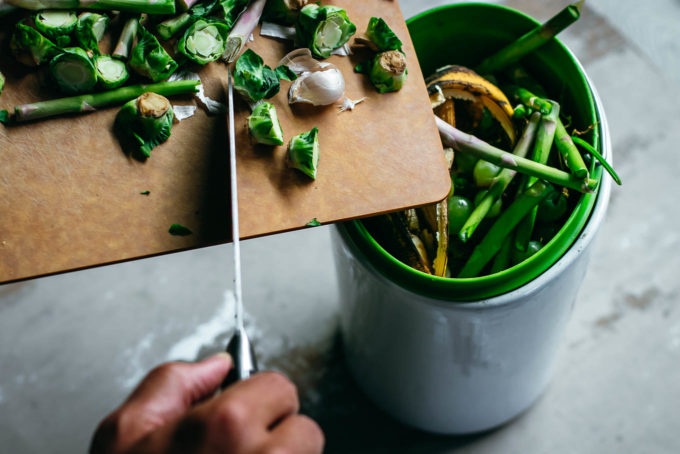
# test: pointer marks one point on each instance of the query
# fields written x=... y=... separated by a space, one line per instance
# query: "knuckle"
x=280 y=381
x=232 y=415
x=312 y=430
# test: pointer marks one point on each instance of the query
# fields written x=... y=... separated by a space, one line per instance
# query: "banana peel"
x=461 y=83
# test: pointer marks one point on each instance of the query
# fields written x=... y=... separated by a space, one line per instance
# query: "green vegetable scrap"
x=111 y=72
x=2 y=82
x=91 y=102
x=127 y=37
x=253 y=79
x=90 y=29
x=204 y=41
x=4 y=117
x=387 y=71
x=179 y=230
x=323 y=29
x=264 y=125
x=170 y=27
x=232 y=10
x=145 y=192
x=381 y=35
x=145 y=121
x=131 y=6
x=303 y=152
x=284 y=12
x=149 y=59
x=56 y=25
x=243 y=30
x=313 y=223
x=30 y=47
x=285 y=73
x=73 y=71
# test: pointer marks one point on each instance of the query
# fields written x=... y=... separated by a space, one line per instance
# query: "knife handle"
x=245 y=363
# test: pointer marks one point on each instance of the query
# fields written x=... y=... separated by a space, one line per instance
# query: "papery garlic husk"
x=301 y=61
x=319 y=88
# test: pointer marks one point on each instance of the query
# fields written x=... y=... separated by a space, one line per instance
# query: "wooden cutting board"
x=71 y=198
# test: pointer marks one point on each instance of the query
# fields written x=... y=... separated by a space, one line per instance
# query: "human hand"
x=173 y=411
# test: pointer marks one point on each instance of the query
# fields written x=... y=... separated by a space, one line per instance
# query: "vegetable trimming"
x=204 y=41
x=170 y=27
x=90 y=29
x=56 y=25
x=127 y=37
x=284 y=12
x=387 y=71
x=145 y=121
x=243 y=29
x=303 y=152
x=322 y=29
x=90 y=103
x=149 y=59
x=131 y=6
x=73 y=71
x=30 y=47
x=111 y=72
x=254 y=80
x=264 y=125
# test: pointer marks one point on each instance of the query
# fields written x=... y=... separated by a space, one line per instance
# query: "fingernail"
x=224 y=356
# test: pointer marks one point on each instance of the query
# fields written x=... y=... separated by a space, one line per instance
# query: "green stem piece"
x=507 y=221
x=131 y=6
x=466 y=143
x=524 y=96
x=127 y=37
x=544 y=140
x=531 y=40
x=582 y=143
x=569 y=152
x=169 y=28
x=90 y=103
x=500 y=182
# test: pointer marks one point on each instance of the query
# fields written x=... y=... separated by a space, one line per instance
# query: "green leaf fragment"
x=313 y=223
x=149 y=59
x=303 y=152
x=145 y=192
x=90 y=29
x=323 y=29
x=204 y=41
x=4 y=117
x=264 y=125
x=253 y=79
x=30 y=47
x=382 y=35
x=284 y=12
x=231 y=10
x=285 y=73
x=179 y=230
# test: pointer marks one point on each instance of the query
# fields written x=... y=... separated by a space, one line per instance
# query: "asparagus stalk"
x=466 y=143
x=90 y=103
x=184 y=5
x=599 y=157
x=502 y=260
x=541 y=152
x=500 y=182
x=493 y=240
x=569 y=151
x=127 y=37
x=169 y=28
x=531 y=40
x=242 y=30
x=524 y=96
x=131 y=6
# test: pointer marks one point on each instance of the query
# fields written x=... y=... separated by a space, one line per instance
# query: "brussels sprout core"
x=388 y=71
x=145 y=122
x=111 y=72
x=152 y=105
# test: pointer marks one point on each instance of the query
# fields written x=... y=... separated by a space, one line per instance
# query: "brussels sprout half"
x=57 y=25
x=73 y=71
x=323 y=29
x=264 y=125
x=204 y=41
x=145 y=121
x=303 y=152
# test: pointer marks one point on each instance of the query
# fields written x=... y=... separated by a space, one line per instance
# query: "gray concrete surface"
x=73 y=346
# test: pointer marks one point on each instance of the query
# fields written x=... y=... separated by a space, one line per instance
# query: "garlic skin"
x=322 y=87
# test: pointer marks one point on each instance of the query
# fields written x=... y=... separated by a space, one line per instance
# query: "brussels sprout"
x=303 y=152
x=382 y=36
x=56 y=25
x=73 y=71
x=145 y=121
x=388 y=71
x=264 y=125
x=111 y=72
x=323 y=29
x=90 y=29
x=284 y=12
x=204 y=41
x=30 y=47
x=170 y=27
x=253 y=79
x=149 y=59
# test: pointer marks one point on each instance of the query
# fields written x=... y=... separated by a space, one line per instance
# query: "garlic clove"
x=319 y=88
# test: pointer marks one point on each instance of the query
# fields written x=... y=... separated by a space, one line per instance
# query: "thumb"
x=171 y=389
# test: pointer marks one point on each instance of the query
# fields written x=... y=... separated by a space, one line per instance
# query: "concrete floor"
x=72 y=346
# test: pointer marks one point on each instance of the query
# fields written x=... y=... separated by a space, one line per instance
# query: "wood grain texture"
x=70 y=196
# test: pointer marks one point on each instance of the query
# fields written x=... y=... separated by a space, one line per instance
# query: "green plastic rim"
x=458 y=34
